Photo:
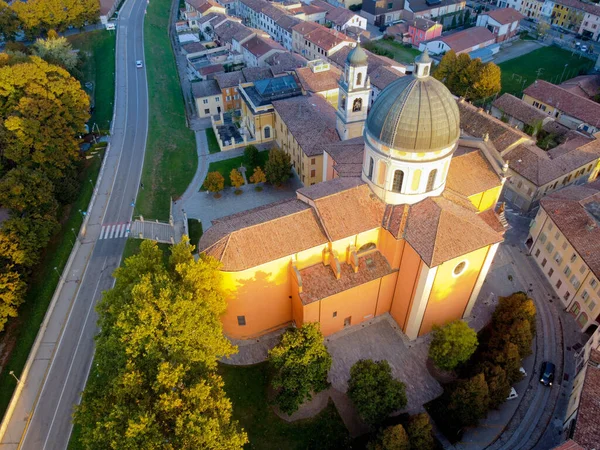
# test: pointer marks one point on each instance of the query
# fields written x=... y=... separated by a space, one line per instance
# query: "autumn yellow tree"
x=214 y=182
x=39 y=16
x=258 y=176
x=236 y=179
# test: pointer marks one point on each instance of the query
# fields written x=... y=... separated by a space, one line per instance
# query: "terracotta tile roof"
x=218 y=18
x=231 y=79
x=253 y=74
x=569 y=445
x=339 y=16
x=211 y=70
x=287 y=22
x=239 y=242
x=470 y=173
x=347 y=156
x=586 y=86
x=571 y=209
x=321 y=36
x=193 y=47
x=310 y=120
x=466 y=39
x=421 y=23
x=203 y=5
x=261 y=46
x=230 y=29
x=519 y=109
x=382 y=76
x=587 y=431
x=490 y=217
x=505 y=15
x=349 y=211
x=319 y=282
x=206 y=88
x=284 y=62
x=441 y=228
x=476 y=122
x=423 y=5
x=374 y=61
x=581 y=108
x=318 y=82
x=554 y=127
x=324 y=5
x=541 y=167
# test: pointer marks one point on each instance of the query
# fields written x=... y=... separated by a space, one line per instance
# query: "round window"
x=460 y=268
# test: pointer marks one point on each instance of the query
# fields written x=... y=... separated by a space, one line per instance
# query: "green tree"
x=9 y=22
x=497 y=381
x=513 y=308
x=453 y=24
x=155 y=383
x=12 y=289
x=452 y=344
x=467 y=17
x=236 y=179
x=258 y=176
x=469 y=400
x=278 y=167
x=542 y=29
x=56 y=50
x=214 y=182
x=508 y=358
x=300 y=364
x=374 y=391
x=28 y=192
x=395 y=438
x=22 y=238
x=420 y=432
x=251 y=156
x=446 y=67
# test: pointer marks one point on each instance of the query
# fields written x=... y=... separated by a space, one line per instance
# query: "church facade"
x=404 y=225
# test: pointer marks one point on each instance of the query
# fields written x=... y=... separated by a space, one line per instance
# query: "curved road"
x=41 y=419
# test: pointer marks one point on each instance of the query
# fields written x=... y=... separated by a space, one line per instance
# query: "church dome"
x=357 y=56
x=415 y=113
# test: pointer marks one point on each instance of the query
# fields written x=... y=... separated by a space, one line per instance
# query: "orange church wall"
x=386 y=293
x=390 y=247
x=310 y=257
x=358 y=303
x=329 y=172
x=405 y=285
x=341 y=245
x=297 y=308
x=311 y=313
x=450 y=294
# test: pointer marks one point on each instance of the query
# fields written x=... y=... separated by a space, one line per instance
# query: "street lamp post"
x=14 y=376
x=74 y=234
x=57 y=272
x=563 y=74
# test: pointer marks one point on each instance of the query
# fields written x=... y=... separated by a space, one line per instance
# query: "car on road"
x=139 y=64
x=584 y=48
x=547 y=373
x=513 y=394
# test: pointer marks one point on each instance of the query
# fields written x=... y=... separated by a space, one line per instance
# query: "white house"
x=502 y=23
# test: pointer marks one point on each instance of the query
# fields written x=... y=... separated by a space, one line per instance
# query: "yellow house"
x=412 y=236
x=567 y=15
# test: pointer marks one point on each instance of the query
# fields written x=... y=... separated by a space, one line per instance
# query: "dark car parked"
x=547 y=373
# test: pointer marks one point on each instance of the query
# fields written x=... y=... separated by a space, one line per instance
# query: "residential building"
x=228 y=84
x=570 y=14
x=340 y=19
x=532 y=9
x=465 y=41
x=253 y=74
x=380 y=13
x=580 y=423
x=194 y=9
x=208 y=97
x=257 y=112
x=590 y=25
x=229 y=6
x=320 y=78
x=285 y=63
x=564 y=241
x=533 y=172
x=503 y=23
x=302 y=125
x=107 y=9
x=231 y=34
x=587 y=86
x=266 y=16
x=429 y=9
x=392 y=241
x=514 y=4
x=414 y=30
x=381 y=78
x=257 y=49
x=573 y=111
x=314 y=41
x=308 y=12
x=519 y=114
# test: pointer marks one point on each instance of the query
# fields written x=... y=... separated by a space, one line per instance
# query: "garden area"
x=171 y=161
x=394 y=50
x=552 y=64
x=213 y=144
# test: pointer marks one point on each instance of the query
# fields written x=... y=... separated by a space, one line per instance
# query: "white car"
x=584 y=48
x=522 y=370
x=513 y=394
x=139 y=64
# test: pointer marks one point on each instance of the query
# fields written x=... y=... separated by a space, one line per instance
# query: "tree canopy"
x=56 y=50
x=300 y=365
x=452 y=344
x=214 y=182
x=154 y=383
x=374 y=391
x=278 y=167
x=469 y=400
x=39 y=16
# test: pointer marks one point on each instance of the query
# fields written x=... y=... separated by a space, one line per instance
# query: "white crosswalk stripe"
x=115 y=231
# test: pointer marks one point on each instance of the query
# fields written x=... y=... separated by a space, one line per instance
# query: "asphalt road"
x=70 y=357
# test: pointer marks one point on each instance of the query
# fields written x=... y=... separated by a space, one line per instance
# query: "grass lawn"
x=246 y=387
x=520 y=72
x=213 y=145
x=170 y=162
x=23 y=330
x=400 y=52
x=99 y=68
x=195 y=227
x=224 y=167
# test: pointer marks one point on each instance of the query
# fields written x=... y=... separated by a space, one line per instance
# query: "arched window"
x=370 y=173
x=460 y=268
x=398 y=179
x=359 y=79
x=267 y=132
x=431 y=180
x=357 y=105
x=367 y=247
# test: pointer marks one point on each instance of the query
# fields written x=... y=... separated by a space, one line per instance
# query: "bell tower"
x=354 y=91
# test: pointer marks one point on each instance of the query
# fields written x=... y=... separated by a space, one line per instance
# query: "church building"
x=404 y=225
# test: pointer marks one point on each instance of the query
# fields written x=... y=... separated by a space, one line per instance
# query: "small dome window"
x=460 y=268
